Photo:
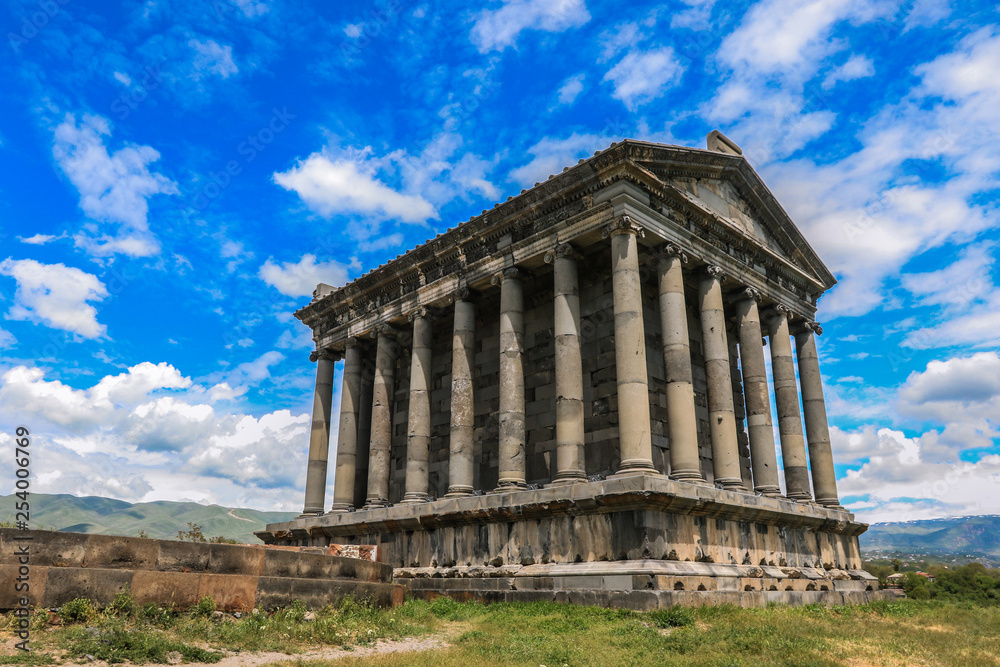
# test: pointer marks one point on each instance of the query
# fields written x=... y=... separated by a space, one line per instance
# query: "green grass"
x=885 y=633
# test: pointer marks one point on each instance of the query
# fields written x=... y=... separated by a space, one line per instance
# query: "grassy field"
x=897 y=633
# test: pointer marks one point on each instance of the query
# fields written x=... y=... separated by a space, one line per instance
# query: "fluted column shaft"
x=721 y=417
x=319 y=434
x=635 y=439
x=347 y=435
x=511 y=414
x=682 y=425
x=461 y=448
x=763 y=457
x=570 y=457
x=380 y=450
x=418 y=439
x=786 y=397
x=814 y=406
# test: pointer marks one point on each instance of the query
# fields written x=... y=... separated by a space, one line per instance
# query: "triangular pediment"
x=728 y=187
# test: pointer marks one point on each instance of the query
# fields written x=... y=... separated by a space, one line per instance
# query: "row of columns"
x=633 y=391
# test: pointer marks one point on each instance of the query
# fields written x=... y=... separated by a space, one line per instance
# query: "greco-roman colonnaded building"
x=567 y=397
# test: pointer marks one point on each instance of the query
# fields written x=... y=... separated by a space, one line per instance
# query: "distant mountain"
x=161 y=519
x=971 y=535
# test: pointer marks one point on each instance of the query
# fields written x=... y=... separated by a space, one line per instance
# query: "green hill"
x=967 y=535
x=160 y=519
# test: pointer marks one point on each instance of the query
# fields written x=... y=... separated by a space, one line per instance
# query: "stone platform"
x=639 y=541
x=64 y=566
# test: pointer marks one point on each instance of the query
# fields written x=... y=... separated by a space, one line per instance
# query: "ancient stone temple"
x=567 y=397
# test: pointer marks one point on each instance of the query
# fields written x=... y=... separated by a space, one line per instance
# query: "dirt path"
x=239 y=517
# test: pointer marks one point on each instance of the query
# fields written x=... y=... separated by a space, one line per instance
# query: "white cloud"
x=856 y=67
x=957 y=389
x=55 y=295
x=697 y=15
x=495 y=30
x=212 y=58
x=349 y=184
x=40 y=239
x=114 y=187
x=7 y=339
x=571 y=89
x=643 y=76
x=551 y=155
x=927 y=13
x=150 y=433
x=300 y=278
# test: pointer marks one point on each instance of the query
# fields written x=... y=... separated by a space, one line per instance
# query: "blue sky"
x=175 y=178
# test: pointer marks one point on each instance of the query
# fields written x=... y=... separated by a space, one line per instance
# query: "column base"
x=732 y=484
x=376 y=503
x=459 y=491
x=341 y=508
x=805 y=499
x=830 y=503
x=768 y=491
x=309 y=515
x=636 y=467
x=690 y=476
x=505 y=485
x=413 y=498
x=567 y=478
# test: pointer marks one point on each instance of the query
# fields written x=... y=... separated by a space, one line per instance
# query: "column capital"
x=384 y=329
x=623 y=225
x=777 y=311
x=715 y=271
x=510 y=272
x=668 y=250
x=749 y=293
x=424 y=312
x=460 y=294
x=326 y=354
x=562 y=250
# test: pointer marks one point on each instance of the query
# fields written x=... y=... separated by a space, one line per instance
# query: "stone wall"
x=65 y=566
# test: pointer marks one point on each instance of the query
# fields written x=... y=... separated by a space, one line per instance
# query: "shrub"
x=673 y=617
x=79 y=610
x=205 y=606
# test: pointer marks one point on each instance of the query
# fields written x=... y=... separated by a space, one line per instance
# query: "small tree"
x=192 y=534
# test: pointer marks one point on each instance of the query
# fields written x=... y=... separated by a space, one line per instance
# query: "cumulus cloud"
x=114 y=187
x=55 y=295
x=495 y=30
x=643 y=76
x=212 y=58
x=152 y=433
x=856 y=67
x=349 y=184
x=300 y=278
x=571 y=89
x=551 y=155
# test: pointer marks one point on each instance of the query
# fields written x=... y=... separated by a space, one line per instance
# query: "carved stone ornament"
x=778 y=310
x=624 y=225
x=751 y=293
x=327 y=354
x=511 y=272
x=814 y=327
x=563 y=250
x=421 y=311
x=350 y=341
x=386 y=330
x=716 y=272
x=460 y=294
x=671 y=250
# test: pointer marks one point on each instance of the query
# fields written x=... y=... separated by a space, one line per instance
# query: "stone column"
x=461 y=451
x=570 y=461
x=786 y=397
x=636 y=442
x=817 y=429
x=418 y=439
x=381 y=439
x=347 y=434
x=319 y=435
x=763 y=458
x=721 y=418
x=682 y=426
x=511 y=414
